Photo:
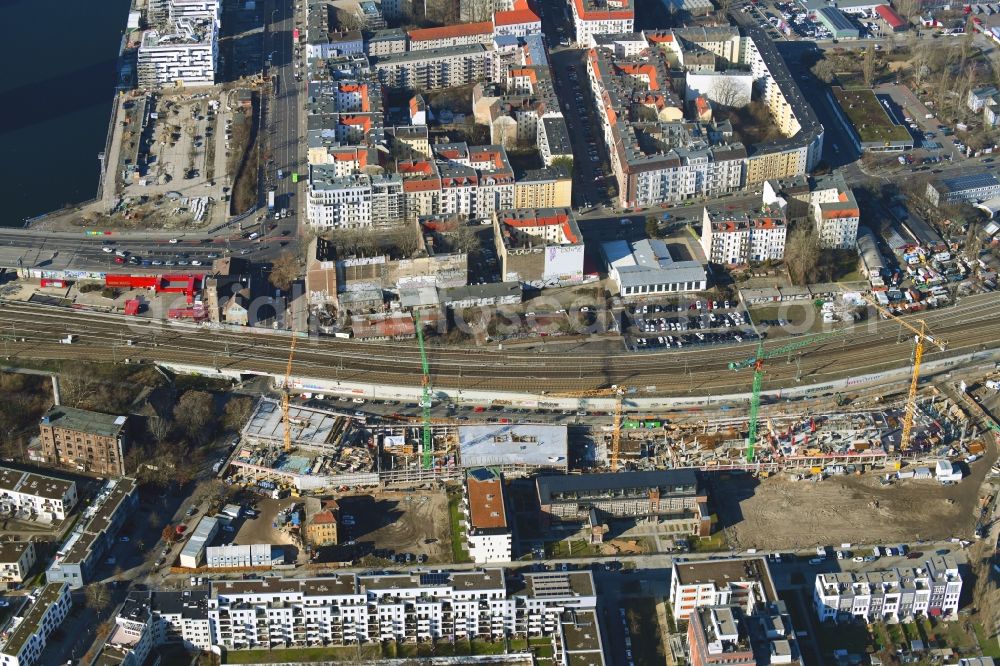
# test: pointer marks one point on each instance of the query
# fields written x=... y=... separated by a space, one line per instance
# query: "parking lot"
x=679 y=325
x=398 y=526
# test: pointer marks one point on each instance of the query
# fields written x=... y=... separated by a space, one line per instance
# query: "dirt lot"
x=779 y=513
x=400 y=522
x=261 y=530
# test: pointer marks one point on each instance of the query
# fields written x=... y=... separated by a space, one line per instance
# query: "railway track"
x=33 y=331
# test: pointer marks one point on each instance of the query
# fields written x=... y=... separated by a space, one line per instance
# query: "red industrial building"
x=894 y=21
x=160 y=284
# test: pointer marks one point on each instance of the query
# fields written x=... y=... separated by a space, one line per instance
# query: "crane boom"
x=284 y=394
x=616 y=434
x=425 y=398
x=761 y=354
x=920 y=336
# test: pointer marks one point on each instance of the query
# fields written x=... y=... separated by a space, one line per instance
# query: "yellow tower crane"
x=616 y=435
x=285 y=396
x=920 y=337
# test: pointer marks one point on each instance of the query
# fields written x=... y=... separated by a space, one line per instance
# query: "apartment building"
x=353 y=201
x=487 y=535
x=81 y=552
x=734 y=238
x=476 y=181
x=550 y=187
x=539 y=247
x=434 y=68
x=85 y=441
x=182 y=51
x=670 y=497
x=661 y=153
x=463 y=34
x=744 y=582
x=894 y=595
x=601 y=17
x=386 y=42
x=518 y=21
x=40 y=497
x=835 y=213
x=149 y=619
x=16 y=560
x=732 y=636
x=45 y=611
x=349 y=608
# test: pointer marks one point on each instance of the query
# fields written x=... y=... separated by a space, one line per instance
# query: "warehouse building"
x=646 y=268
x=193 y=552
x=971 y=189
x=669 y=498
x=840 y=26
x=85 y=441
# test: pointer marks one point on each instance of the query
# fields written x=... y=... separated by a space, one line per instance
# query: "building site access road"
x=29 y=331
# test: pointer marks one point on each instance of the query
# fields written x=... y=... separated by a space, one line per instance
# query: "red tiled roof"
x=324 y=518
x=603 y=14
x=890 y=16
x=520 y=14
x=451 y=31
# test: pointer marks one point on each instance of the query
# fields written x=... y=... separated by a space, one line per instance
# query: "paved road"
x=873 y=346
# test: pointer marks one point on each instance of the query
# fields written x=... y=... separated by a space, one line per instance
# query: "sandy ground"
x=400 y=522
x=779 y=513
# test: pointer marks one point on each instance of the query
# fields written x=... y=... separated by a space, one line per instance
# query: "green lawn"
x=337 y=653
x=870 y=120
x=710 y=544
x=458 y=552
x=989 y=646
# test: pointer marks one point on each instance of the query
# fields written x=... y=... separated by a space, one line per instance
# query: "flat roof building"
x=513 y=446
x=85 y=441
x=80 y=553
x=539 y=247
x=193 y=553
x=969 y=188
x=743 y=582
x=16 y=560
x=645 y=267
x=36 y=496
x=671 y=497
x=488 y=536
x=24 y=644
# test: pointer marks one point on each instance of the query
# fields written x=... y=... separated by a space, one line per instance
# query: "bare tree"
x=728 y=92
x=237 y=412
x=802 y=253
x=868 y=66
x=97 y=596
x=285 y=270
x=824 y=70
x=195 y=412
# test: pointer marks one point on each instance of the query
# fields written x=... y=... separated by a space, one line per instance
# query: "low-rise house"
x=321 y=528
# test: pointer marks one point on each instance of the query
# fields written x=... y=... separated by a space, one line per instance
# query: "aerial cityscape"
x=503 y=332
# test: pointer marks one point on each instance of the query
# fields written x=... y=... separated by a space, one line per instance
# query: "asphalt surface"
x=33 y=331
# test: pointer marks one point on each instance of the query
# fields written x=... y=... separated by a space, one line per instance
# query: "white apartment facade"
x=836 y=214
x=47 y=610
x=487 y=534
x=16 y=560
x=339 y=202
x=347 y=608
x=738 y=582
x=742 y=239
x=611 y=18
x=46 y=497
x=895 y=595
x=186 y=54
x=434 y=68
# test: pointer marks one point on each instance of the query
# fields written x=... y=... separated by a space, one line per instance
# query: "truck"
x=270 y=200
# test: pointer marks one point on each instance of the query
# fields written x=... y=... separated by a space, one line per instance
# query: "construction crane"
x=757 y=363
x=920 y=336
x=285 y=397
x=616 y=436
x=425 y=398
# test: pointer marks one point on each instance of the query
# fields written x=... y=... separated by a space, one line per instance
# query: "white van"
x=253 y=236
